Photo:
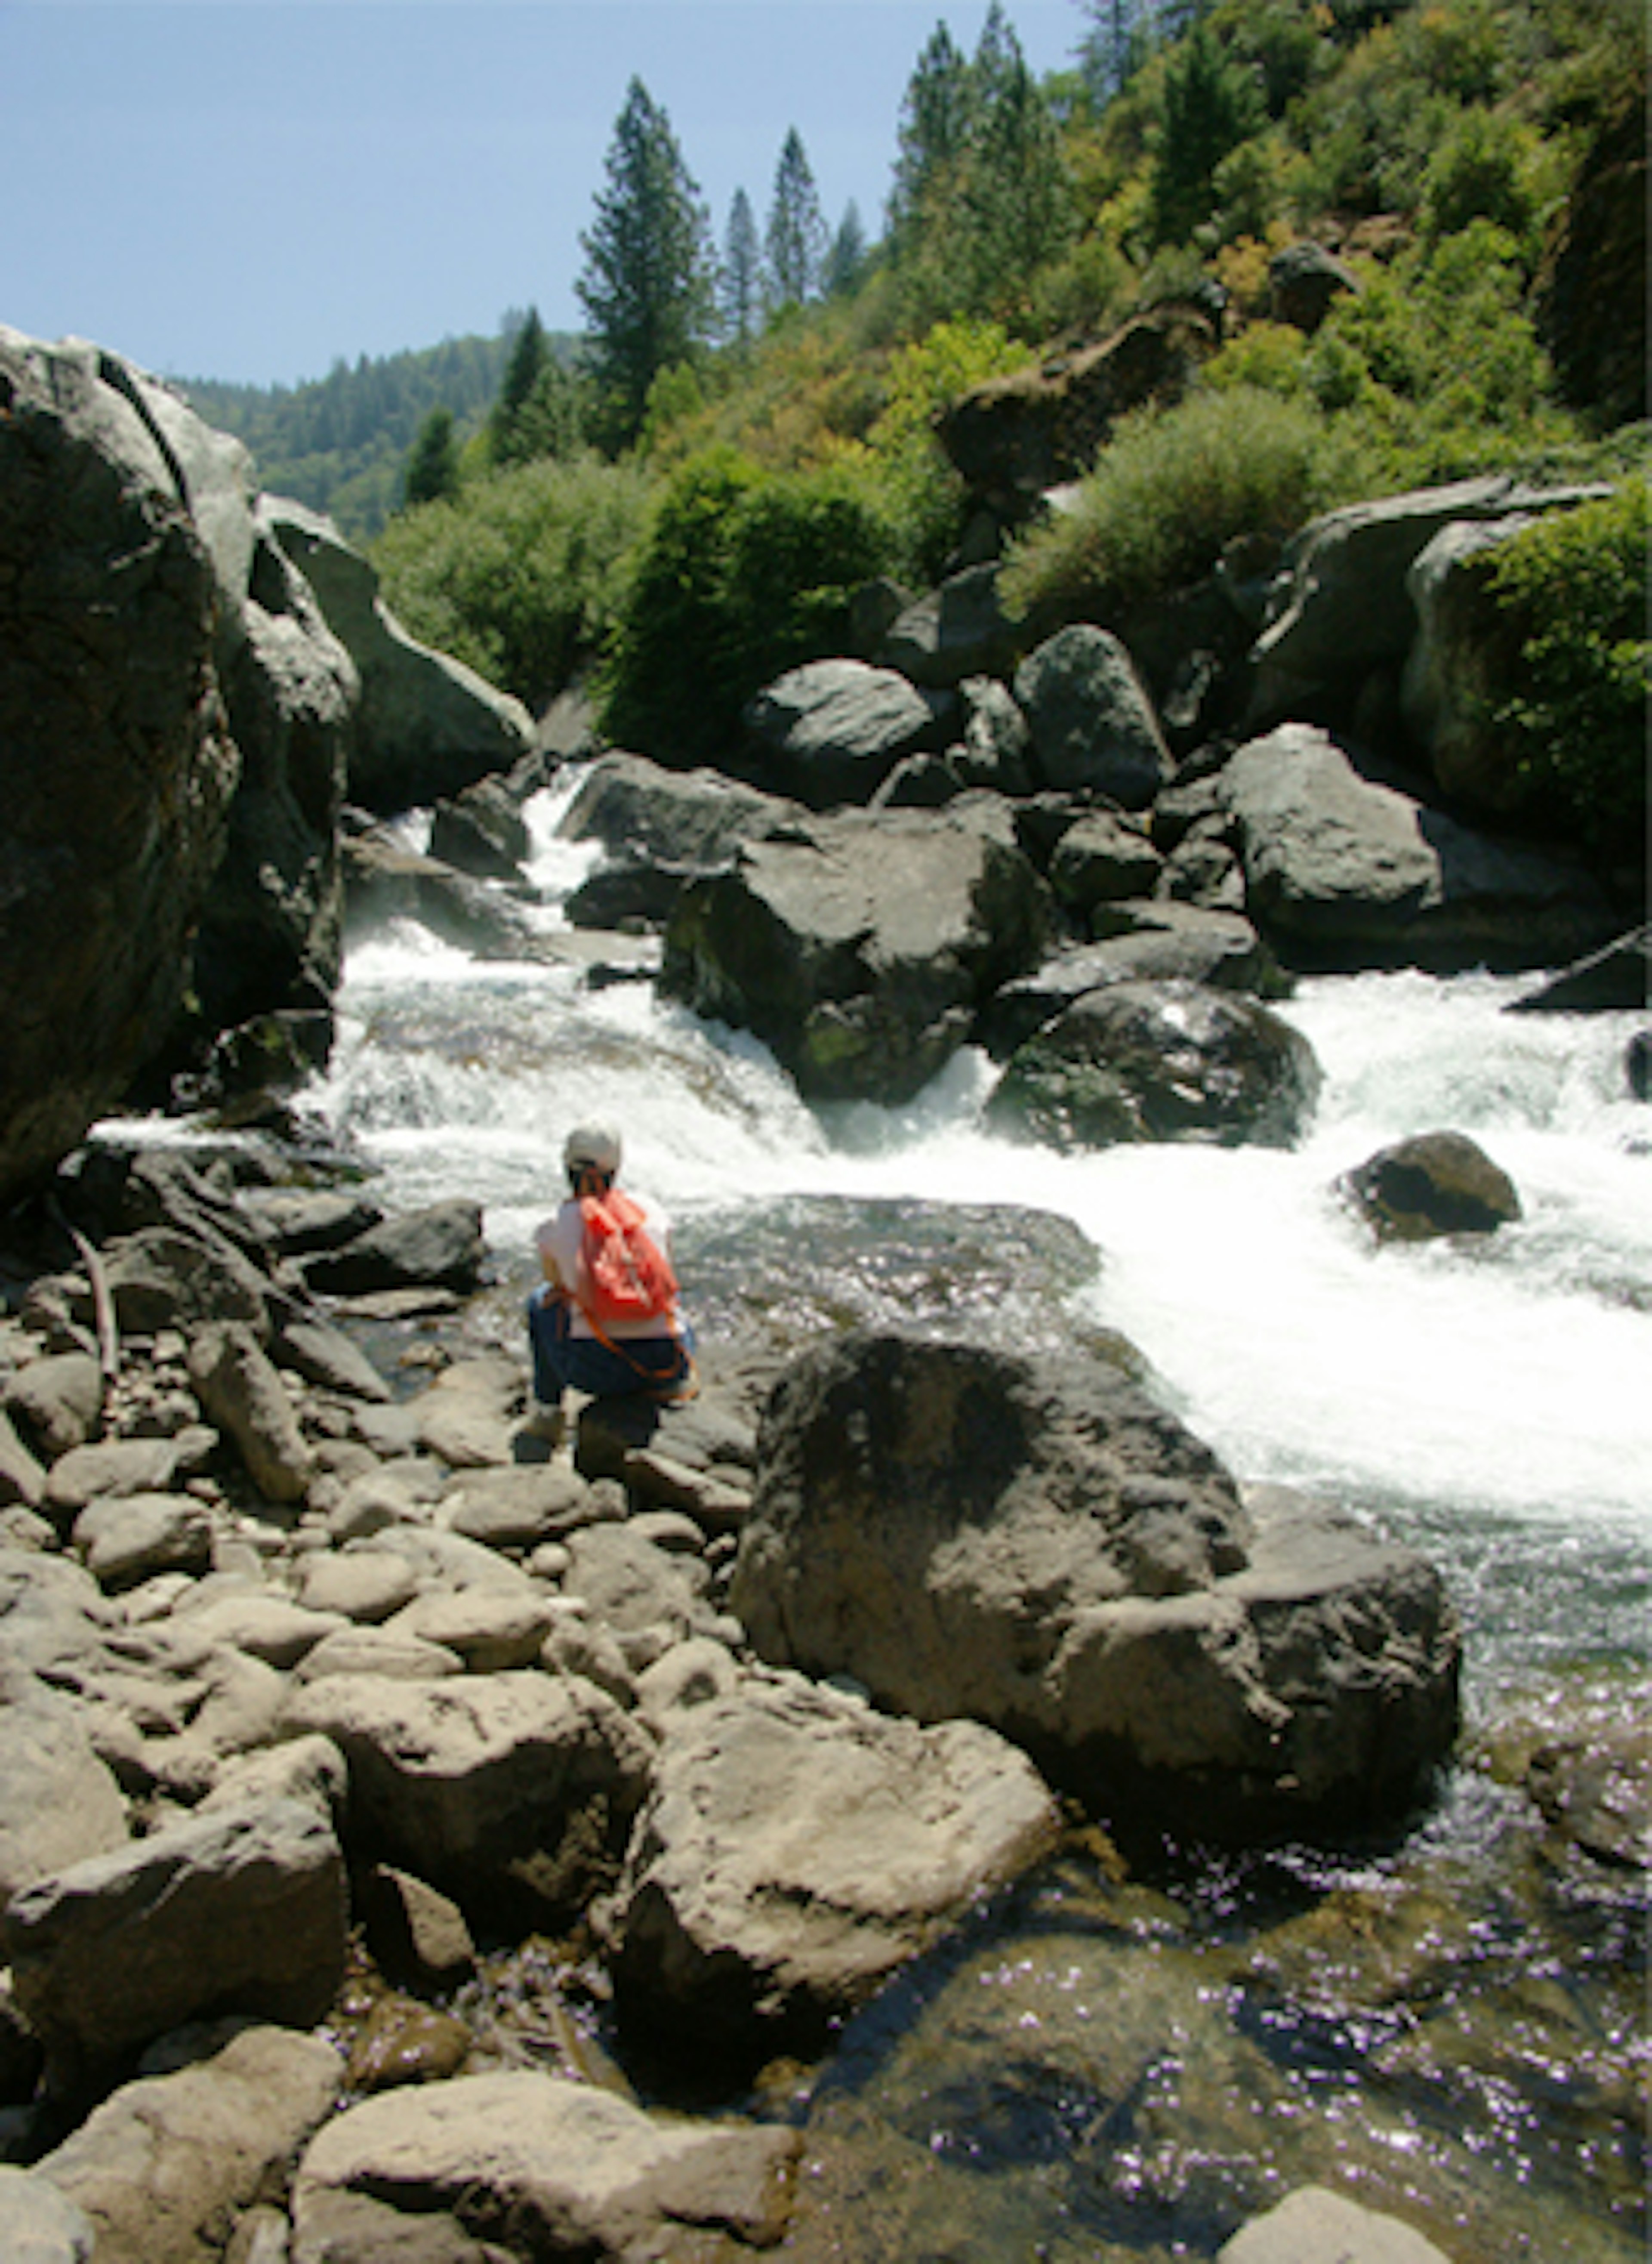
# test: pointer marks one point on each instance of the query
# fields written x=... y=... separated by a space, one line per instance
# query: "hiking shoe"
x=546 y=1423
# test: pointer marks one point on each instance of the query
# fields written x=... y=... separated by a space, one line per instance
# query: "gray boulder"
x=637 y=809
x=831 y=732
x=241 y=1391
x=441 y=1245
x=117 y=766
x=1034 y=1544
x=1342 y=870
x=241 y=1911
x=958 y=630
x=1092 y=723
x=798 y=1848
x=271 y=930
x=1142 y=1061
x=1340 y=605
x=1165 y=942
x=995 y=748
x=482 y=832
x=470 y=2171
x=1101 y=860
x=426 y=726
x=512 y=1792
x=59 y=1803
x=39 y=2224
x=858 y=948
x=167 y=2165
x=1434 y=1183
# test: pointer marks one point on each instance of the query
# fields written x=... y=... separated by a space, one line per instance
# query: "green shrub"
x=519 y=575
x=1573 y=589
x=743 y=575
x=1172 y=490
x=922 y=493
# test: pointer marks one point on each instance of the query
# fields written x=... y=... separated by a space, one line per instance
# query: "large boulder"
x=1340 y=607
x=1343 y=870
x=1013 y=438
x=860 y=947
x=509 y=1791
x=1142 y=1061
x=639 y=809
x=521 y=2163
x=240 y=1910
x=956 y=631
x=831 y=732
x=117 y=766
x=426 y=726
x=271 y=930
x=800 y=1846
x=1034 y=1543
x=1093 y=723
x=166 y=2165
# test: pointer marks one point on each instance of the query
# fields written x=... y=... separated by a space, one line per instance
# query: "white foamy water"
x=1513 y=1374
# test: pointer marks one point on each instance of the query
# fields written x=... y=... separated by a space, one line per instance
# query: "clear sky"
x=253 y=189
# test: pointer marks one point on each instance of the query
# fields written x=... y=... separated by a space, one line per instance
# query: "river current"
x=1453 y=2027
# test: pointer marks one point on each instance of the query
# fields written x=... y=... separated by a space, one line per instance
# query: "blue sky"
x=253 y=189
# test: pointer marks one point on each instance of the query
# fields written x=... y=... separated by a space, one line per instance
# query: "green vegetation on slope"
x=681 y=512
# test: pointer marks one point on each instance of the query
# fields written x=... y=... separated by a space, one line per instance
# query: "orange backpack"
x=624 y=1273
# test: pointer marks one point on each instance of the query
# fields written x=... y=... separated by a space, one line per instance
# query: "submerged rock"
x=1435 y=1183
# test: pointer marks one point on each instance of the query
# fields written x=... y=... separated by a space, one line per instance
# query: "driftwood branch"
x=103 y=1304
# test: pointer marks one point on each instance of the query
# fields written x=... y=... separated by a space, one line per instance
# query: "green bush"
x=1573 y=590
x=743 y=575
x=1172 y=490
x=519 y=575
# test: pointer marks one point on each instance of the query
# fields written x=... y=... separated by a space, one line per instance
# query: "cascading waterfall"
x=1487 y=1400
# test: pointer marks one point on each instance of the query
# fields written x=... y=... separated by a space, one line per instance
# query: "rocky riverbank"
x=325 y=1681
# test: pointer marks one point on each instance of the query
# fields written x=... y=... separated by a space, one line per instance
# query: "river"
x=1452 y=2027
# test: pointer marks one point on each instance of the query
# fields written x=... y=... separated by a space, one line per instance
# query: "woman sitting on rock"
x=604 y=1320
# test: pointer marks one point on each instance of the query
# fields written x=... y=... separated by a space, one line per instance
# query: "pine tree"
x=646 y=287
x=846 y=261
x=1016 y=199
x=933 y=133
x=740 y=282
x=529 y=355
x=795 y=243
x=432 y=464
x=1210 y=105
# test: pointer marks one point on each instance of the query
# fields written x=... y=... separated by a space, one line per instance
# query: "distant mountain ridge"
x=340 y=443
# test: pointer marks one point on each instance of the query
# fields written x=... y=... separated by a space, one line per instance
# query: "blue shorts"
x=657 y=1365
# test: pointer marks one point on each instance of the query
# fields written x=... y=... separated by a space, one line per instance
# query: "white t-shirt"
x=560 y=1239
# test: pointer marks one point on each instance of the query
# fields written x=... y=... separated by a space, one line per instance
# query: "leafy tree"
x=1209 y=105
x=796 y=239
x=646 y=287
x=1572 y=591
x=743 y=575
x=741 y=278
x=520 y=574
x=433 y=467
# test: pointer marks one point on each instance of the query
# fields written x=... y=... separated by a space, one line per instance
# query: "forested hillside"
x=1373 y=243
x=341 y=444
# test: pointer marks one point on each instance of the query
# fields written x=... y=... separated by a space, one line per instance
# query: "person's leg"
x=549 y=1341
